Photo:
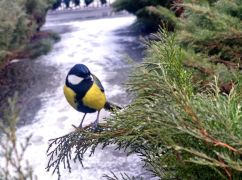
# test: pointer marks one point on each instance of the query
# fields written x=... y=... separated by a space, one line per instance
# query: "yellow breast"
x=94 y=98
x=70 y=96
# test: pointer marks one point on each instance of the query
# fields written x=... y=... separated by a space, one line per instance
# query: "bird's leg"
x=95 y=124
x=80 y=126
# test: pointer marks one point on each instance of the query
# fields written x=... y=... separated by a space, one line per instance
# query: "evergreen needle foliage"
x=211 y=34
x=124 y=176
x=12 y=152
x=179 y=132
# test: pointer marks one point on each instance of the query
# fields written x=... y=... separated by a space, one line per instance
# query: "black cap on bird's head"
x=78 y=74
x=80 y=70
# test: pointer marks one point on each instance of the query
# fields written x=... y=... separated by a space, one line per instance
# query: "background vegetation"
x=20 y=22
x=150 y=13
x=67 y=3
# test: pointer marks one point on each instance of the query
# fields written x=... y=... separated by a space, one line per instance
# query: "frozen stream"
x=102 y=45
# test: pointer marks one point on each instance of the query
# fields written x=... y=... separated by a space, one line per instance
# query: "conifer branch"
x=74 y=145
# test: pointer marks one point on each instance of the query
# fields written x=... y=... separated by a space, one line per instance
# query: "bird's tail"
x=111 y=107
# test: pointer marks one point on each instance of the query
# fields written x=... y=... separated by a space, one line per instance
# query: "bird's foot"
x=96 y=128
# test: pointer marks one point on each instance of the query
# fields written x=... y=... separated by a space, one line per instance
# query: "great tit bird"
x=85 y=93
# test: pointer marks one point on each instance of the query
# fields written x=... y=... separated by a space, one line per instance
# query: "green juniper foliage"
x=124 y=176
x=179 y=132
x=187 y=134
x=210 y=33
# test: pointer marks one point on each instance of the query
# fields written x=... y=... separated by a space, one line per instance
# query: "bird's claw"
x=96 y=128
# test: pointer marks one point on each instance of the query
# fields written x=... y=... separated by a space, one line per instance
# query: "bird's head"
x=78 y=74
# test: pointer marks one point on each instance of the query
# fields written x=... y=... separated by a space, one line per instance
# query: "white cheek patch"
x=73 y=79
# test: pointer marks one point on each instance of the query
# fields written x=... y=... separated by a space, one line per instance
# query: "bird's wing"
x=98 y=82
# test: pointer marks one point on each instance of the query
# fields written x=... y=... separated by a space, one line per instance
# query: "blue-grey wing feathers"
x=98 y=82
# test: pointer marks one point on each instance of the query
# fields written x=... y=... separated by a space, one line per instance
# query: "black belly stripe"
x=82 y=108
x=81 y=90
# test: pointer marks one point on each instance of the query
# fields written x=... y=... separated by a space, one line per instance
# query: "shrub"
x=150 y=14
x=211 y=35
x=12 y=152
x=18 y=27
